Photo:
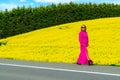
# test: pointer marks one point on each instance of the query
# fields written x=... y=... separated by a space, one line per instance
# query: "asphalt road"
x=28 y=70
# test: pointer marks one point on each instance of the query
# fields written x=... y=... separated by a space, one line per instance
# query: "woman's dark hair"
x=83 y=26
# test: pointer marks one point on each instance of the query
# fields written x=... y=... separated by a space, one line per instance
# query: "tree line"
x=20 y=20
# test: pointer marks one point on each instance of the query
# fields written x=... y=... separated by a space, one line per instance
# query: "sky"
x=10 y=4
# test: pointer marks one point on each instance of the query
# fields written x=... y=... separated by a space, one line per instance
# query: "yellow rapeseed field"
x=60 y=43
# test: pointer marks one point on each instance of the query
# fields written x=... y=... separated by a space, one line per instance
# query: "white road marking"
x=58 y=69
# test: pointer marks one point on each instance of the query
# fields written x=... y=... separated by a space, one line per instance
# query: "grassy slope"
x=60 y=43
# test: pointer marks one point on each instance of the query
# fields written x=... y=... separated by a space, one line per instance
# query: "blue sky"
x=9 y=4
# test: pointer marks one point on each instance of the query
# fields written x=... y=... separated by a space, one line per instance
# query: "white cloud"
x=7 y=6
x=117 y=2
x=55 y=1
x=22 y=0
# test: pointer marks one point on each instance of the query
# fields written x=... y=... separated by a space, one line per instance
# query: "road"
x=29 y=70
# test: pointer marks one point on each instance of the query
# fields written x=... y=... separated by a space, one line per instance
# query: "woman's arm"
x=87 y=39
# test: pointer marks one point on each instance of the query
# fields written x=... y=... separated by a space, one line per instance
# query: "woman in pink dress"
x=83 y=39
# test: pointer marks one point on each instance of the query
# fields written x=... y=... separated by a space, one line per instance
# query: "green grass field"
x=60 y=43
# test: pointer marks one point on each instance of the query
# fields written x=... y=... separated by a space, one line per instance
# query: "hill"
x=60 y=43
x=22 y=20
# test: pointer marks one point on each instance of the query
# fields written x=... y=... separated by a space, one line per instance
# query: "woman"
x=83 y=39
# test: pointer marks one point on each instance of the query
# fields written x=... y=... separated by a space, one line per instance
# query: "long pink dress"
x=83 y=39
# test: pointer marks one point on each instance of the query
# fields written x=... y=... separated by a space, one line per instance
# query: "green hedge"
x=20 y=20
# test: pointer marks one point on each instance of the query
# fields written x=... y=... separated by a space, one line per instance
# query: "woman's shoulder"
x=82 y=32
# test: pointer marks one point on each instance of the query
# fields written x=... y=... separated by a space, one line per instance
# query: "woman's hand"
x=86 y=45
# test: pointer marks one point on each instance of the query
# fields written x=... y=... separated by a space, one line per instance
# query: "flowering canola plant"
x=60 y=43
